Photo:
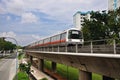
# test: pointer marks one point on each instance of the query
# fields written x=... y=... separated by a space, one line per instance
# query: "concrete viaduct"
x=104 y=64
x=100 y=59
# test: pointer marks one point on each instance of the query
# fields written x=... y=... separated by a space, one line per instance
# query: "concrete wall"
x=104 y=66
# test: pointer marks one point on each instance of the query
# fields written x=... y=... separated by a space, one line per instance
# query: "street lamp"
x=16 y=52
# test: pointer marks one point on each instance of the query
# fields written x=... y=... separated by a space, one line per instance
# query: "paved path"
x=8 y=68
x=38 y=74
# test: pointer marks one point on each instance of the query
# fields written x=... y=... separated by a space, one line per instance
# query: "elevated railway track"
x=91 y=57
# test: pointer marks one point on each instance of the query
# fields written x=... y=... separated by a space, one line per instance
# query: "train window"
x=74 y=34
x=53 y=38
x=35 y=43
x=63 y=35
x=40 y=42
x=46 y=40
x=57 y=37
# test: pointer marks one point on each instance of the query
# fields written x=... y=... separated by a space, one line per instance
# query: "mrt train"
x=69 y=37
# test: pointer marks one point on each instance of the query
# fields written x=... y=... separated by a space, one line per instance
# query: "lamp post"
x=16 y=53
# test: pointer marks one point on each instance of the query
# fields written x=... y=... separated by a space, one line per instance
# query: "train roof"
x=55 y=34
x=60 y=33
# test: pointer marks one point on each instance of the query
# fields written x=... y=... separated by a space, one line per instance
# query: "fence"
x=105 y=46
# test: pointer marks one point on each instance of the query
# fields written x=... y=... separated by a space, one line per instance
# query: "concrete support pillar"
x=31 y=59
x=76 y=47
x=54 y=66
x=66 y=48
x=41 y=64
x=107 y=78
x=28 y=57
x=83 y=75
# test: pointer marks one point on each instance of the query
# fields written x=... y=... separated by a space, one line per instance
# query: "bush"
x=21 y=76
x=25 y=67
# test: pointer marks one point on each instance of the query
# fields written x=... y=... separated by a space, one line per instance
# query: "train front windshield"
x=74 y=34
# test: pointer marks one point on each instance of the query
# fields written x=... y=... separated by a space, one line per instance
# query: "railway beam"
x=107 y=78
x=41 y=64
x=83 y=75
x=54 y=66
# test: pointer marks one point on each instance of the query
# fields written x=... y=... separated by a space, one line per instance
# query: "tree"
x=25 y=67
x=95 y=28
x=102 y=25
x=114 y=23
x=1 y=44
x=6 y=45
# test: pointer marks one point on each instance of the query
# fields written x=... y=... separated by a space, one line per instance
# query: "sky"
x=30 y=20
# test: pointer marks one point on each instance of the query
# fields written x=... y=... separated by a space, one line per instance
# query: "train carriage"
x=70 y=37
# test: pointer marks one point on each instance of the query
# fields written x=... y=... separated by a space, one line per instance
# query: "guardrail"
x=105 y=46
x=101 y=46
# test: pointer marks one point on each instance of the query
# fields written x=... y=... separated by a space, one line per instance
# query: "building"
x=78 y=18
x=113 y=4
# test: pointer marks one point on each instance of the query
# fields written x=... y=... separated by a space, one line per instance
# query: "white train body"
x=70 y=37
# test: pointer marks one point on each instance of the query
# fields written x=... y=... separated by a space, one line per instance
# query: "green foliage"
x=102 y=25
x=44 y=79
x=25 y=67
x=21 y=76
x=21 y=55
x=96 y=77
x=47 y=64
x=96 y=28
x=69 y=72
x=114 y=23
x=6 y=45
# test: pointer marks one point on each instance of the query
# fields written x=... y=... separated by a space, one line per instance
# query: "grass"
x=47 y=65
x=21 y=55
x=69 y=72
x=21 y=76
x=96 y=77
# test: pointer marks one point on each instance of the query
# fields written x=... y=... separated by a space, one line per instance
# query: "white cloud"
x=8 y=18
x=22 y=39
x=29 y=18
x=62 y=9
x=2 y=10
x=27 y=39
x=36 y=37
x=13 y=6
x=8 y=34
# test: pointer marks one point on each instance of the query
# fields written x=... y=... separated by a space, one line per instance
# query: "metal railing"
x=105 y=46
x=110 y=46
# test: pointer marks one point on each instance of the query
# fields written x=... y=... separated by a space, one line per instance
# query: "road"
x=8 y=68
